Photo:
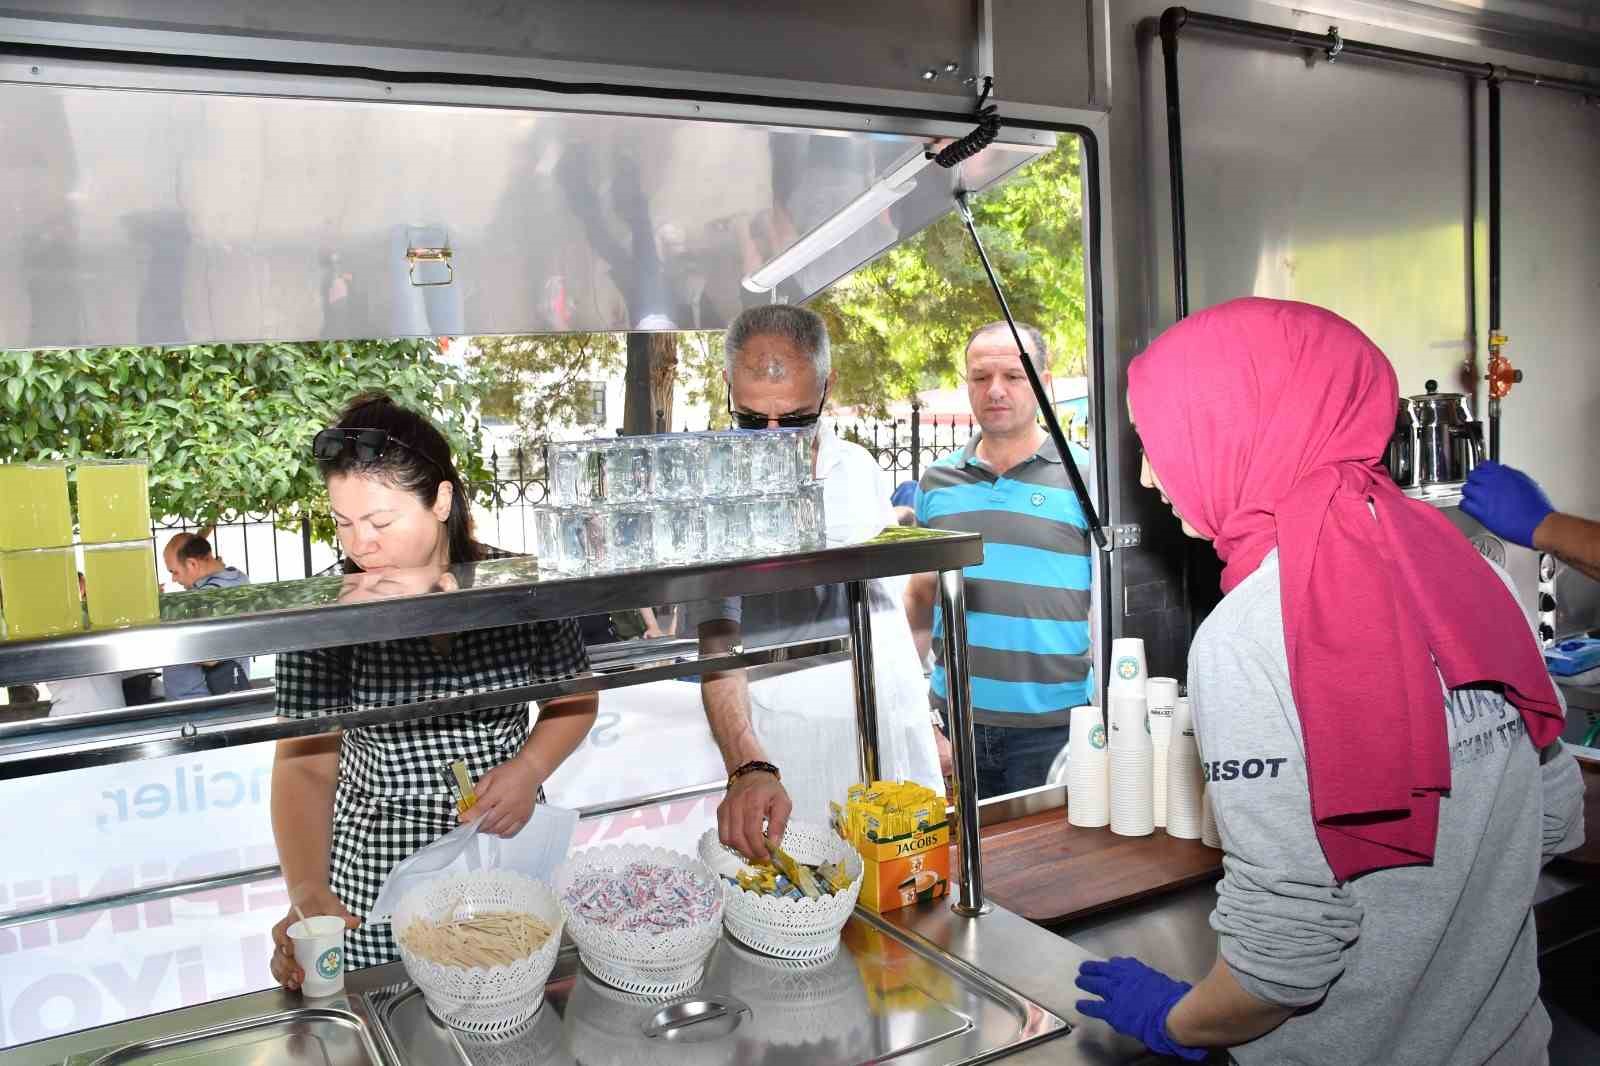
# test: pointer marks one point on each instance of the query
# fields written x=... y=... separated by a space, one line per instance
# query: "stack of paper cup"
x=1132 y=759
x=1087 y=770
x=1185 y=785
x=1160 y=694
x=1128 y=673
x=1208 y=823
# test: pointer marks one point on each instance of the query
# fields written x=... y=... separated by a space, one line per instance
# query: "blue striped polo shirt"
x=1028 y=601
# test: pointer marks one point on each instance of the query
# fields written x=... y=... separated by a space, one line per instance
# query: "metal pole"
x=1172 y=21
x=1343 y=47
x=866 y=686
x=916 y=440
x=1046 y=408
x=305 y=542
x=1496 y=338
x=969 y=901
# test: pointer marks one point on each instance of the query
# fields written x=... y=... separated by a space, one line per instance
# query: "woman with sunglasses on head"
x=347 y=807
x=1379 y=734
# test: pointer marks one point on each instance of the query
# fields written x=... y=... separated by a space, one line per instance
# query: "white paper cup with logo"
x=319 y=952
x=1128 y=722
x=1088 y=780
x=1161 y=695
x=1128 y=673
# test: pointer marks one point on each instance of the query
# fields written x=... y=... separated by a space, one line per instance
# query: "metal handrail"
x=71 y=747
x=251 y=875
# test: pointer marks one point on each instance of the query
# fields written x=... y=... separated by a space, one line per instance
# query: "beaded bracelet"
x=754 y=766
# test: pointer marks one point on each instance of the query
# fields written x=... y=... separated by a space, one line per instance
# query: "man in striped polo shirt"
x=1028 y=602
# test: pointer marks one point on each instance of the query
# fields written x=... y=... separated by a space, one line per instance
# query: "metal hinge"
x=1122 y=537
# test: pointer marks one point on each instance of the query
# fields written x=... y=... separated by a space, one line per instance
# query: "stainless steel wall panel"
x=1550 y=291
x=155 y=217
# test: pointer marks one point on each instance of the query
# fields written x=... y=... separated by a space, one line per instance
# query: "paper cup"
x=1158 y=776
x=1160 y=696
x=1132 y=786
x=1128 y=722
x=1182 y=717
x=1088 y=780
x=1128 y=673
x=1184 y=788
x=319 y=951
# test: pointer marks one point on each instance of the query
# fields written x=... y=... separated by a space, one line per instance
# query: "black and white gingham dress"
x=392 y=797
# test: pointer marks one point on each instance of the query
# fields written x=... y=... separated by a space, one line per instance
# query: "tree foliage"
x=900 y=323
x=540 y=382
x=226 y=428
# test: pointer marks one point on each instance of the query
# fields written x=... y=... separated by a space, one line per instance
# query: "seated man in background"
x=189 y=560
x=802 y=725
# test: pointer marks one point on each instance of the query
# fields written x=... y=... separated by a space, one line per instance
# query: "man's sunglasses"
x=362 y=445
x=753 y=420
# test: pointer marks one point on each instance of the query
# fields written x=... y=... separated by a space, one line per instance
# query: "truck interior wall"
x=1348 y=185
x=868 y=52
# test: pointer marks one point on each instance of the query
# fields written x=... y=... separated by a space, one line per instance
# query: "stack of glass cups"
x=676 y=499
x=119 y=561
x=38 y=574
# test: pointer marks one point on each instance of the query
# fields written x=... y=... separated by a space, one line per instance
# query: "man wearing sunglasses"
x=789 y=741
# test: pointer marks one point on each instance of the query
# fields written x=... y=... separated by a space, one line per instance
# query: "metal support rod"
x=1321 y=42
x=194 y=885
x=1495 y=335
x=969 y=901
x=1046 y=408
x=1171 y=21
x=132 y=897
x=865 y=684
x=66 y=747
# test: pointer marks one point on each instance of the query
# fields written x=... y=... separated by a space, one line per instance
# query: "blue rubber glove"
x=1135 y=1001
x=1509 y=503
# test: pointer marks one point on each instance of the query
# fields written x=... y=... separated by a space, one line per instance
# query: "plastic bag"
x=535 y=851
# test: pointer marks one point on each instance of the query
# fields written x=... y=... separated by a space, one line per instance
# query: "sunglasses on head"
x=754 y=420
x=362 y=445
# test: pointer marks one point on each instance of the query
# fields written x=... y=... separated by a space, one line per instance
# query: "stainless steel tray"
x=313 y=1036
x=882 y=997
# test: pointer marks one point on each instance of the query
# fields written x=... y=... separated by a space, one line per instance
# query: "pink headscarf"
x=1265 y=421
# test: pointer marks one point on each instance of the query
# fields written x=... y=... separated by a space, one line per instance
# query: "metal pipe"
x=68 y=750
x=1172 y=21
x=193 y=885
x=1496 y=338
x=1046 y=408
x=135 y=896
x=865 y=684
x=1322 y=42
x=969 y=901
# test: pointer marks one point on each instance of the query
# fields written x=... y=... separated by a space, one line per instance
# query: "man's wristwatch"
x=754 y=766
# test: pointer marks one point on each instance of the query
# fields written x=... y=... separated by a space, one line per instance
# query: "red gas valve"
x=1502 y=375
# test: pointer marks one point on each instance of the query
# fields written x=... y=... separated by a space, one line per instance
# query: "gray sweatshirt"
x=1424 y=965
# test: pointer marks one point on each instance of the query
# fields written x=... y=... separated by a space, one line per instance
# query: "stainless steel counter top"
x=1006 y=948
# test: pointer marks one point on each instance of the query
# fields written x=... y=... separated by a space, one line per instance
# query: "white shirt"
x=806 y=720
x=78 y=695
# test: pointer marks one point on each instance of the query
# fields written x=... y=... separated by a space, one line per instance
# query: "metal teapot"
x=1449 y=440
x=1400 y=458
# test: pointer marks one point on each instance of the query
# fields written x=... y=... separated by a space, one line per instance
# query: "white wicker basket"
x=646 y=964
x=474 y=998
x=798 y=929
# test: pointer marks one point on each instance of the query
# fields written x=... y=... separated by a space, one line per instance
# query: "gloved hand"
x=1135 y=1001
x=1509 y=503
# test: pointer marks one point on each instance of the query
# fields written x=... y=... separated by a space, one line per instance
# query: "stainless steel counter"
x=1011 y=952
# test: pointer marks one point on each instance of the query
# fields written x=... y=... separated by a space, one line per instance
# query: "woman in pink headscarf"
x=1378 y=729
